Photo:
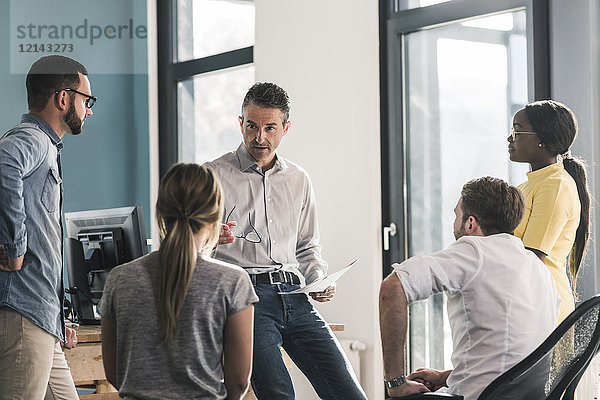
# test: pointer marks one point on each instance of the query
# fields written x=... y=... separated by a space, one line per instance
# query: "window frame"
x=171 y=72
x=394 y=25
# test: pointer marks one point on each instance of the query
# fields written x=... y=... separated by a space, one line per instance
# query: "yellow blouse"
x=550 y=222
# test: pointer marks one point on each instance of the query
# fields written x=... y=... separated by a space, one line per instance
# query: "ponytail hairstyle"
x=190 y=201
x=556 y=126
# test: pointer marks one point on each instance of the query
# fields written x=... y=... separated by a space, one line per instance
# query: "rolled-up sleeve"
x=447 y=270
x=18 y=157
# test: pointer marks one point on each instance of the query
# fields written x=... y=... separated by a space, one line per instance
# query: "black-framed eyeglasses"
x=514 y=133
x=252 y=236
x=89 y=101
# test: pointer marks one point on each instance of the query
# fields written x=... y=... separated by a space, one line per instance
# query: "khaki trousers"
x=32 y=364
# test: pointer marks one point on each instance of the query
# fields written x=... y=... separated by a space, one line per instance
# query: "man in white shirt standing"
x=502 y=300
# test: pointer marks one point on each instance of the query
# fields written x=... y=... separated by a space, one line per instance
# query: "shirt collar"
x=43 y=125
x=547 y=170
x=248 y=162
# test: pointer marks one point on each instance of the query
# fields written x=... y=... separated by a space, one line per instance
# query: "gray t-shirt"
x=189 y=367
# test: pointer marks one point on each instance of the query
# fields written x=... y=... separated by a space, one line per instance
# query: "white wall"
x=325 y=54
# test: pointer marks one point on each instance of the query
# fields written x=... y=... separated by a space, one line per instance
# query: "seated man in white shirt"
x=502 y=300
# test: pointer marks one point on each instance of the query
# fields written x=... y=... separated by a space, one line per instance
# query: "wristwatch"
x=395 y=382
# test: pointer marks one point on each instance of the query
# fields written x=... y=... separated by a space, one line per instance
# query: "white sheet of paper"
x=324 y=283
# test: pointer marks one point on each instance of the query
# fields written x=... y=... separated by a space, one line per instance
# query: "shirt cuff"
x=407 y=284
x=16 y=249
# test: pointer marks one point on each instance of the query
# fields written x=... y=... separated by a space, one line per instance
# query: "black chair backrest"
x=556 y=366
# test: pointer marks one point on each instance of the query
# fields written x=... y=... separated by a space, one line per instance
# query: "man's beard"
x=73 y=121
x=460 y=233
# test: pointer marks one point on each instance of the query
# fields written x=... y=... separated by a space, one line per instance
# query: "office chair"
x=553 y=370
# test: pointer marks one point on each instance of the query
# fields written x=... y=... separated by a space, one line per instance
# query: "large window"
x=455 y=76
x=205 y=68
x=464 y=80
x=209 y=27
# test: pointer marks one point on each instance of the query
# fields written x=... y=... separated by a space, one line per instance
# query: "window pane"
x=209 y=27
x=464 y=82
x=502 y=22
x=208 y=107
x=408 y=4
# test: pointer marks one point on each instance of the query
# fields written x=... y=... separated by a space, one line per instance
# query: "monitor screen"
x=96 y=242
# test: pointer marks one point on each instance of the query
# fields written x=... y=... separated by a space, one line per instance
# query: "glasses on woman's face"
x=253 y=236
x=514 y=133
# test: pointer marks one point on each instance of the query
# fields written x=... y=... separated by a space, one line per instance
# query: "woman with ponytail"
x=177 y=324
x=556 y=223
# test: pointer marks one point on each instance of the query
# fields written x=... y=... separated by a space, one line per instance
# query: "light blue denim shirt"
x=30 y=222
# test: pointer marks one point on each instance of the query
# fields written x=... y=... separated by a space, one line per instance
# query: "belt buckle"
x=271 y=277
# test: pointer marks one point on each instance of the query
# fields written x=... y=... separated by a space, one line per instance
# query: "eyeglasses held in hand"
x=252 y=236
x=89 y=102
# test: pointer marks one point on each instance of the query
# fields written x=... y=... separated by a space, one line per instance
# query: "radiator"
x=303 y=388
x=352 y=348
x=589 y=385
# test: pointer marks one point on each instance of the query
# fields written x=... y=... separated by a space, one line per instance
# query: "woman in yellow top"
x=557 y=201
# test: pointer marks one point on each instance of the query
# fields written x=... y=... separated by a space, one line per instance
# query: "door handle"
x=387 y=232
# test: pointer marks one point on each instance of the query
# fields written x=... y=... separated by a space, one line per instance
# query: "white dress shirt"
x=502 y=304
x=279 y=206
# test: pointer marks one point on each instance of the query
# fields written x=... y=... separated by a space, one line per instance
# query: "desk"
x=85 y=362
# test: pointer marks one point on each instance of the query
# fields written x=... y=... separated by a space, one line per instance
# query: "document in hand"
x=319 y=286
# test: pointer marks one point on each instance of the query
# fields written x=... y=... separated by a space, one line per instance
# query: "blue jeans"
x=291 y=322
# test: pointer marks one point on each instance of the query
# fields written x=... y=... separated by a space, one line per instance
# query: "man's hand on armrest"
x=9 y=264
x=431 y=378
x=407 y=388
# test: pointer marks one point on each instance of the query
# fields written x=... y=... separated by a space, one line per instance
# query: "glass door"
x=464 y=81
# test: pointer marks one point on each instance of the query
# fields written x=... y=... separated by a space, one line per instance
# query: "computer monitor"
x=97 y=241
